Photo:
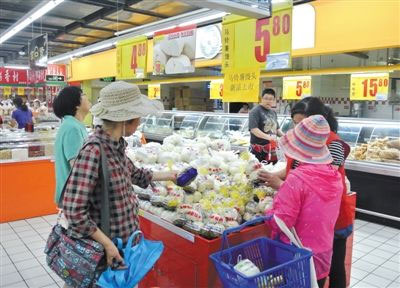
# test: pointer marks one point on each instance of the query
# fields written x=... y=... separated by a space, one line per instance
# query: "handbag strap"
x=104 y=197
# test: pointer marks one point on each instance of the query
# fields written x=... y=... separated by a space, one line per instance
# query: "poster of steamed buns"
x=174 y=51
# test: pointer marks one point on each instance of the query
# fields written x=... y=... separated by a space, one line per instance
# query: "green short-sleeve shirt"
x=69 y=140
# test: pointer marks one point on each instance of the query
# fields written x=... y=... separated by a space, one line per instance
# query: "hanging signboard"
x=7 y=91
x=13 y=76
x=296 y=88
x=265 y=43
x=154 y=91
x=21 y=91
x=241 y=85
x=216 y=89
x=174 y=51
x=132 y=58
x=369 y=87
x=38 y=52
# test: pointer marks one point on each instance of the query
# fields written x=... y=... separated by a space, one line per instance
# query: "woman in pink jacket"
x=309 y=199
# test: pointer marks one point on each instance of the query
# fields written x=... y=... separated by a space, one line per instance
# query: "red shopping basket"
x=281 y=265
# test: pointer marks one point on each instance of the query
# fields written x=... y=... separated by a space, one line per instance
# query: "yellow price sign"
x=296 y=88
x=216 y=89
x=21 y=91
x=132 y=58
x=154 y=91
x=7 y=91
x=265 y=43
x=241 y=85
x=367 y=87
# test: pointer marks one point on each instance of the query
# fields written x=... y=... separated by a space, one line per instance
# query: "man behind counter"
x=264 y=127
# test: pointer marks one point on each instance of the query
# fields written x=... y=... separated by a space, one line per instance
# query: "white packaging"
x=19 y=154
x=247 y=268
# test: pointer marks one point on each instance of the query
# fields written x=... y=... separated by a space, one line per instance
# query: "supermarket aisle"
x=376 y=257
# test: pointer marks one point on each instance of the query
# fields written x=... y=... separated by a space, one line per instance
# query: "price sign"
x=216 y=89
x=367 y=87
x=7 y=91
x=265 y=43
x=21 y=91
x=132 y=58
x=154 y=91
x=241 y=86
x=296 y=88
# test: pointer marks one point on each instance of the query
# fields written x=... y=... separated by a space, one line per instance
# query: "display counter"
x=27 y=174
x=373 y=166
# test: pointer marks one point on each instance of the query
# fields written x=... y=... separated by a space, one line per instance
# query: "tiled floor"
x=376 y=255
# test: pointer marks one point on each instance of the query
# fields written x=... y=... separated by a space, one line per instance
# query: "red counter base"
x=26 y=190
x=185 y=264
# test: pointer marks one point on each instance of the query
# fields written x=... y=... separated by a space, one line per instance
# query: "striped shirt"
x=337 y=152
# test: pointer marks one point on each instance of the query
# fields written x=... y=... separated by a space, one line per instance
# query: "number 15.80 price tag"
x=369 y=87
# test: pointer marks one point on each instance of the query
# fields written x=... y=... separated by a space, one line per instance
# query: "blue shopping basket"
x=281 y=265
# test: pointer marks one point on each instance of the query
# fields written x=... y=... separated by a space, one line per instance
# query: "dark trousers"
x=337 y=275
x=321 y=282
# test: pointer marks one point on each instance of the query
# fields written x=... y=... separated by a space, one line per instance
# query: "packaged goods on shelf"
x=219 y=198
x=5 y=154
x=381 y=150
x=20 y=154
x=49 y=149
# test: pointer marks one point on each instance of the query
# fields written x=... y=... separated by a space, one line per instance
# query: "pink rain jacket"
x=309 y=201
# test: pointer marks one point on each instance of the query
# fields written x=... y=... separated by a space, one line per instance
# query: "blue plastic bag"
x=139 y=259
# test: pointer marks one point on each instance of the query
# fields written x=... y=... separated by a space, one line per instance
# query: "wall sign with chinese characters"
x=367 y=87
x=13 y=76
x=265 y=43
x=296 y=88
x=38 y=51
x=241 y=85
x=154 y=91
x=132 y=58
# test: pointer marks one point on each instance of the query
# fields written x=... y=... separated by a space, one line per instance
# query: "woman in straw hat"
x=120 y=107
x=309 y=199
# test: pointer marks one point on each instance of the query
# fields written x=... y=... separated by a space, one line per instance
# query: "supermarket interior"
x=254 y=143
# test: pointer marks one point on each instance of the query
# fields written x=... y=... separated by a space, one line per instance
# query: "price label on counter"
x=154 y=91
x=265 y=43
x=296 y=88
x=216 y=89
x=369 y=87
x=132 y=58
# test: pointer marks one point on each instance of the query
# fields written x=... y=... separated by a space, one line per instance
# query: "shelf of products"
x=18 y=145
x=375 y=145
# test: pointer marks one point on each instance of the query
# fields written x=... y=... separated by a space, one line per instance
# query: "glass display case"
x=373 y=143
x=232 y=127
x=18 y=145
x=186 y=124
x=158 y=126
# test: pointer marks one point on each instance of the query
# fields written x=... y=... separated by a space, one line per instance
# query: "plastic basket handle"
x=241 y=227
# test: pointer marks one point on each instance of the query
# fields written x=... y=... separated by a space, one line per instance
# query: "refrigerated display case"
x=27 y=173
x=368 y=174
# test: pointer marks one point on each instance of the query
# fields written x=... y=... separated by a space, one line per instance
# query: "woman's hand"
x=113 y=253
x=165 y=176
x=271 y=180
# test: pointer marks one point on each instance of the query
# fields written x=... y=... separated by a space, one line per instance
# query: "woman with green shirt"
x=71 y=106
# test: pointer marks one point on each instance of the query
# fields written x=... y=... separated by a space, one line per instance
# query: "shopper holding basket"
x=309 y=199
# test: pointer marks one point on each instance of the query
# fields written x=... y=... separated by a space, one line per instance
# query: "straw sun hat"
x=122 y=101
x=307 y=141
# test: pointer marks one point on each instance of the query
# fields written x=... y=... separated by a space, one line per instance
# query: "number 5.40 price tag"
x=296 y=88
x=367 y=87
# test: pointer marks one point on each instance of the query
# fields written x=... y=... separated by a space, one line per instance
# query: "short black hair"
x=314 y=106
x=268 y=91
x=67 y=101
x=19 y=103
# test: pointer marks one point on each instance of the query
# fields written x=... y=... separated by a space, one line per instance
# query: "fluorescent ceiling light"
x=33 y=15
x=151 y=33
x=16 y=67
x=88 y=50
x=204 y=19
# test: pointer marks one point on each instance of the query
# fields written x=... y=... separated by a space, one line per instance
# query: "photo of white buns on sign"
x=174 y=51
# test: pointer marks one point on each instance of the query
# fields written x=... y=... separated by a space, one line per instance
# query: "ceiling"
x=78 y=23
